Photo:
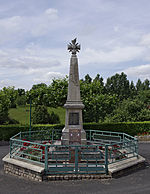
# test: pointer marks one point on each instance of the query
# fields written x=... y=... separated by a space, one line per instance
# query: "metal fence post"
x=52 y=135
x=46 y=158
x=106 y=159
x=76 y=160
x=90 y=135
x=123 y=140
x=10 y=147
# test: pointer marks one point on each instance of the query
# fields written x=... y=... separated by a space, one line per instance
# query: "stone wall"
x=22 y=172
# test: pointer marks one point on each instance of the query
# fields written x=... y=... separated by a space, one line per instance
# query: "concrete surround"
x=23 y=169
x=35 y=172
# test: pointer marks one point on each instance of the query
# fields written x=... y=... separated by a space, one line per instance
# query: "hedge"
x=131 y=128
x=7 y=131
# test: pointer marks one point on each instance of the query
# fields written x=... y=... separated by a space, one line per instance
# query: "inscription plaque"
x=73 y=118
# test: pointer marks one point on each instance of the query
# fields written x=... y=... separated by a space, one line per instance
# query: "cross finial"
x=73 y=47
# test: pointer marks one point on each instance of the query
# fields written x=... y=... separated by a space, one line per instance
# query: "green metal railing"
x=44 y=148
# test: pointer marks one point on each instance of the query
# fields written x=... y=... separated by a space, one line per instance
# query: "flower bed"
x=143 y=136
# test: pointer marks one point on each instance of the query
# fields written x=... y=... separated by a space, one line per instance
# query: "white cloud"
x=34 y=36
x=52 y=13
x=141 y=71
x=20 y=27
x=31 y=65
x=145 y=40
x=46 y=77
x=6 y=83
x=116 y=55
x=116 y=28
x=42 y=24
x=31 y=58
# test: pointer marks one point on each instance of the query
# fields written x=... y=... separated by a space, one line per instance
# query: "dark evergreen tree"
x=87 y=79
x=139 y=85
x=41 y=116
x=119 y=85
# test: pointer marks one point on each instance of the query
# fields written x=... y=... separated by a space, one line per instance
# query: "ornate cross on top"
x=73 y=47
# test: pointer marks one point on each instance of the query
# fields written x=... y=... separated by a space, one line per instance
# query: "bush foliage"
x=41 y=116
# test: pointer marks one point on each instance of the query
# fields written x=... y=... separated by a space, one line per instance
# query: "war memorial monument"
x=71 y=152
x=73 y=133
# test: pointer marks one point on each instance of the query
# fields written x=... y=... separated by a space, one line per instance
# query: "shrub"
x=21 y=100
x=131 y=128
x=54 y=118
x=41 y=115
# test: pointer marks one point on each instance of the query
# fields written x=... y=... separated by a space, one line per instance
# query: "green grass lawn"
x=22 y=113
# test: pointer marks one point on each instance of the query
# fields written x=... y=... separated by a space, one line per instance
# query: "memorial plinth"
x=73 y=133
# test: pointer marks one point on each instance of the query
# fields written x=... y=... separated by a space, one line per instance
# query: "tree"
x=21 y=92
x=57 y=92
x=41 y=116
x=139 y=85
x=132 y=90
x=130 y=110
x=21 y=100
x=54 y=118
x=99 y=79
x=146 y=84
x=4 y=107
x=97 y=106
x=119 y=85
x=87 y=79
x=11 y=93
x=21 y=97
x=37 y=94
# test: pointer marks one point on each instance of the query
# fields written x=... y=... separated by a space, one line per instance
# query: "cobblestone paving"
x=135 y=183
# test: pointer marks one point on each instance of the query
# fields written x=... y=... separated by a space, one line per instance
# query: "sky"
x=114 y=37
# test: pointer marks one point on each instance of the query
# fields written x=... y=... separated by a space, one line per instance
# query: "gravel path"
x=135 y=183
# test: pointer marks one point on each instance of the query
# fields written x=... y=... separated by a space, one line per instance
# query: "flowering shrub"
x=101 y=148
x=25 y=143
x=116 y=146
x=33 y=152
x=143 y=134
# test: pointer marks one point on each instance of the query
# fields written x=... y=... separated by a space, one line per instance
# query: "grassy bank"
x=22 y=114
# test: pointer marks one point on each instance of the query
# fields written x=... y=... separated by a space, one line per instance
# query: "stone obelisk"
x=73 y=133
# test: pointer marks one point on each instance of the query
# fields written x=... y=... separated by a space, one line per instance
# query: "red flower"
x=21 y=149
x=26 y=144
x=116 y=146
x=114 y=151
x=42 y=147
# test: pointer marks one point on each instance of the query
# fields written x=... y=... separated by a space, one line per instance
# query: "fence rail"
x=44 y=148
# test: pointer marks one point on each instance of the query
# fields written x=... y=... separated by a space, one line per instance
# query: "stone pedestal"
x=73 y=133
